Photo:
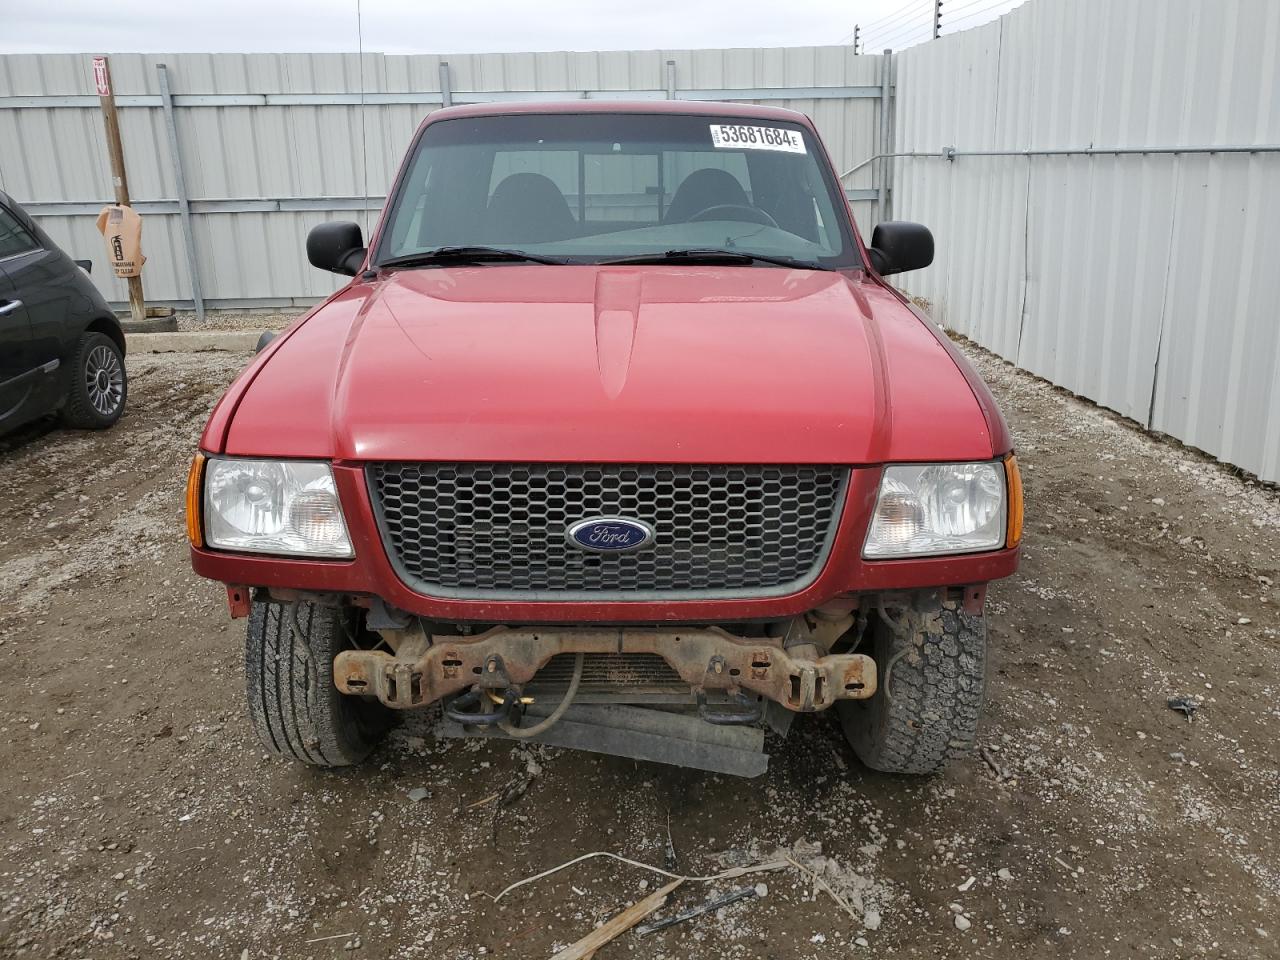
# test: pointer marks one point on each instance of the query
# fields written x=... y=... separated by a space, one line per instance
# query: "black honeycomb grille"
x=490 y=530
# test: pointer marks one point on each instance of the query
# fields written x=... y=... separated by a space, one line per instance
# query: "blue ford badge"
x=610 y=534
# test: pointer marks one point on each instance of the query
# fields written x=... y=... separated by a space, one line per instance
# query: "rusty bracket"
x=239 y=600
x=494 y=676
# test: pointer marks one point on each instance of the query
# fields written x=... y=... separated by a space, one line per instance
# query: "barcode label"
x=738 y=136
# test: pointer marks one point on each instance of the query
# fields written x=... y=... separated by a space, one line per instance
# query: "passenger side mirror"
x=899 y=245
x=337 y=246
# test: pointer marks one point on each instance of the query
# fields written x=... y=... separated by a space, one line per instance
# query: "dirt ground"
x=139 y=817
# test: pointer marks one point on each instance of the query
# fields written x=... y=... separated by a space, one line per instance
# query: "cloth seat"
x=528 y=208
x=705 y=187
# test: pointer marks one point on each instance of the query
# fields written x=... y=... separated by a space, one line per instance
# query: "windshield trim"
x=850 y=258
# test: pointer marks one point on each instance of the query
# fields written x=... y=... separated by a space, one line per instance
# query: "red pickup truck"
x=617 y=412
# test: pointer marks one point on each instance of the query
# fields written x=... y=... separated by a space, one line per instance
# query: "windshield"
x=585 y=188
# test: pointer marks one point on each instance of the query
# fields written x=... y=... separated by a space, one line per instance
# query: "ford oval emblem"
x=610 y=534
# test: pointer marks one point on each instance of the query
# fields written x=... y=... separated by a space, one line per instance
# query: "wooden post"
x=115 y=150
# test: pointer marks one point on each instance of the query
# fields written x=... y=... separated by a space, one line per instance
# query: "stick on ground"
x=620 y=924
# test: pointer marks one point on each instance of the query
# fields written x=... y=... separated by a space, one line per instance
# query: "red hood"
x=653 y=363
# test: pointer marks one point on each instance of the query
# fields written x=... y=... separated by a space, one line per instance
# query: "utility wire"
x=364 y=130
x=952 y=11
x=956 y=15
x=910 y=40
x=969 y=23
x=894 y=14
x=893 y=36
x=883 y=24
x=894 y=23
x=888 y=39
x=898 y=26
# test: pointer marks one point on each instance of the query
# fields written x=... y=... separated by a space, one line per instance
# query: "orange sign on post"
x=121 y=227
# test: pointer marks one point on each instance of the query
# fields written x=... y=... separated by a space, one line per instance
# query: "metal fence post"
x=886 y=142
x=446 y=91
x=671 y=79
x=180 y=181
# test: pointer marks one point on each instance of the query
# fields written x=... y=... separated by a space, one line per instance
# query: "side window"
x=14 y=238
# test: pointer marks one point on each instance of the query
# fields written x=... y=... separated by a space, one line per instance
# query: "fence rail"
x=437 y=99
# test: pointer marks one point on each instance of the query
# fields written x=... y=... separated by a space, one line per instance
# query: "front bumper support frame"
x=425 y=669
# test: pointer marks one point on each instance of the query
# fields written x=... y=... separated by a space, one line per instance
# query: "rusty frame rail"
x=424 y=669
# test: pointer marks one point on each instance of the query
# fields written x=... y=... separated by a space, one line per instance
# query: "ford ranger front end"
x=617 y=408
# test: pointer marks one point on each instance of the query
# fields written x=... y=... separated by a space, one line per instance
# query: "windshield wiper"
x=468 y=254
x=711 y=255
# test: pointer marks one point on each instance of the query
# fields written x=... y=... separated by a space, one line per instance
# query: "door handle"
x=9 y=307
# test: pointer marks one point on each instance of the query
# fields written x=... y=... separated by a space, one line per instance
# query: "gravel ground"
x=140 y=819
x=256 y=320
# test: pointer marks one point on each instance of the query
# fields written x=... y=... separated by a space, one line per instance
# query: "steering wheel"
x=740 y=211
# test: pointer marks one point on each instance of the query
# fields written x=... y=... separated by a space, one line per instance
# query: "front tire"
x=932 y=671
x=294 y=706
x=98 y=385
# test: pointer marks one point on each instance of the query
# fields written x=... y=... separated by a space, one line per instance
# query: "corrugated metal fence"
x=1148 y=282
x=271 y=143
x=1145 y=280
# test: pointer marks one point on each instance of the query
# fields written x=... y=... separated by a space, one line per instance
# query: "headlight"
x=938 y=508
x=274 y=506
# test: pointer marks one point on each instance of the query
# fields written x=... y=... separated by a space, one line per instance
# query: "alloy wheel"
x=104 y=380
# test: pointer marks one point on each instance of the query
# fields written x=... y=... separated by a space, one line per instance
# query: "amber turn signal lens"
x=194 y=479
x=1014 y=534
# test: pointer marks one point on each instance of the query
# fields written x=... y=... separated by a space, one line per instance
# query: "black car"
x=61 y=348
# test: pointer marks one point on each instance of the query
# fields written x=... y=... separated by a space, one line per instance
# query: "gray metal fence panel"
x=255 y=128
x=1144 y=282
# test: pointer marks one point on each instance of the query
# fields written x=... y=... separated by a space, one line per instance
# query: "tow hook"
x=751 y=712
x=468 y=709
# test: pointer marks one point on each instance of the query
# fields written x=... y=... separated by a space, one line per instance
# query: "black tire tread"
x=321 y=726
x=77 y=412
x=926 y=713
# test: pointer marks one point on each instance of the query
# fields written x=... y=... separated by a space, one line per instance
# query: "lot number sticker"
x=736 y=136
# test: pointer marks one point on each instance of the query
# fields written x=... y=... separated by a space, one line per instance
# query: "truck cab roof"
x=687 y=107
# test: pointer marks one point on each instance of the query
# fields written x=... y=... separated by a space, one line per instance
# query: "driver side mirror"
x=337 y=246
x=899 y=245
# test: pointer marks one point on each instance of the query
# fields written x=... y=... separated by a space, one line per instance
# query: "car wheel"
x=294 y=706
x=98 y=384
x=932 y=669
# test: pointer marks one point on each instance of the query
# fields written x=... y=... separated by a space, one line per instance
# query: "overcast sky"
x=472 y=26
